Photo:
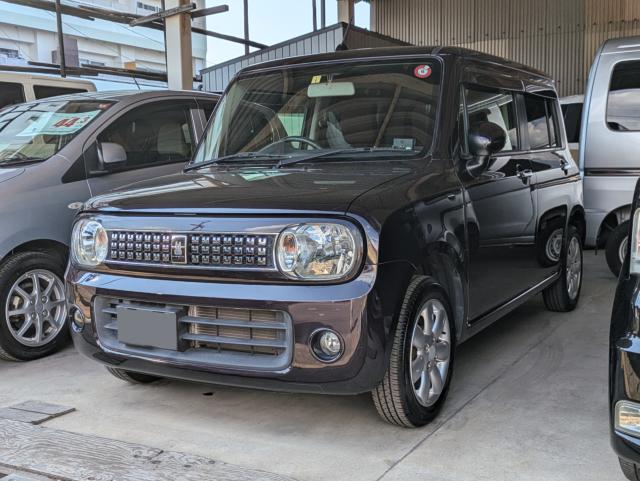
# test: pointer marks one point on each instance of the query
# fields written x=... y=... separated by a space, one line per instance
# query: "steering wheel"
x=291 y=139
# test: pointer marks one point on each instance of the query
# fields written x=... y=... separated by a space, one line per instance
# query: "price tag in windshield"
x=59 y=124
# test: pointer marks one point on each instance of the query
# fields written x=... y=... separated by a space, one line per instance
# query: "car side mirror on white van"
x=485 y=139
x=110 y=153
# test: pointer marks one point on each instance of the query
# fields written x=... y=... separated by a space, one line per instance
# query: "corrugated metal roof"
x=216 y=78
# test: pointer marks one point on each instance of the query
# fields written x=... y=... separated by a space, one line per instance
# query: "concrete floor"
x=528 y=402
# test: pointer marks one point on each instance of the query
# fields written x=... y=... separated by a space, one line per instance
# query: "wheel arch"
x=612 y=220
x=39 y=245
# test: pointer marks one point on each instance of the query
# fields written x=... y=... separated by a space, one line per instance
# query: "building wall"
x=33 y=34
x=559 y=37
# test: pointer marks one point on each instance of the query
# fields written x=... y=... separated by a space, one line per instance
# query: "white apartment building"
x=30 y=34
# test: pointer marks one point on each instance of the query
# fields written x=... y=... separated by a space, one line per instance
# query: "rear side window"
x=497 y=106
x=572 y=114
x=541 y=122
x=623 y=102
x=10 y=94
x=46 y=91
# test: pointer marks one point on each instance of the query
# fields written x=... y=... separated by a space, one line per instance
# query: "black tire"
x=132 y=377
x=612 y=248
x=10 y=270
x=556 y=296
x=629 y=469
x=394 y=397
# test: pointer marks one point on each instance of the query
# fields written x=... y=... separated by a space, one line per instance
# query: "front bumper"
x=343 y=308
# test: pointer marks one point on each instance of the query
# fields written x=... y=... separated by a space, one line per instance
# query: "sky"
x=270 y=22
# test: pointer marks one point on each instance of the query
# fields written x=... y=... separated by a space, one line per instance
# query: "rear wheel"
x=33 y=310
x=563 y=295
x=419 y=371
x=629 y=469
x=132 y=377
x=616 y=247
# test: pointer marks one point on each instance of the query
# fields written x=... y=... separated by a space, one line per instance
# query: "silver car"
x=609 y=145
x=54 y=155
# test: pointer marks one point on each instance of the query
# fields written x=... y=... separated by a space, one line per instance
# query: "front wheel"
x=616 y=247
x=563 y=295
x=629 y=469
x=419 y=370
x=33 y=308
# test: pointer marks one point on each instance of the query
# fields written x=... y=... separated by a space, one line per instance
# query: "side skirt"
x=478 y=324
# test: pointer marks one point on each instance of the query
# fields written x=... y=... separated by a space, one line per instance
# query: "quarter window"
x=572 y=114
x=496 y=106
x=10 y=94
x=541 y=122
x=152 y=134
x=623 y=102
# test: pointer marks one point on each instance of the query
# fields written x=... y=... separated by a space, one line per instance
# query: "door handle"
x=524 y=174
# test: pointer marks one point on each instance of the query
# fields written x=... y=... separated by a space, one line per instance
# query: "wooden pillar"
x=178 y=47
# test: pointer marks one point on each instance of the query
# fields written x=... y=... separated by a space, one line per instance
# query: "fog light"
x=326 y=345
x=627 y=418
x=78 y=319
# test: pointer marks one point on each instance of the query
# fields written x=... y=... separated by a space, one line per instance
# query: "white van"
x=610 y=145
x=18 y=87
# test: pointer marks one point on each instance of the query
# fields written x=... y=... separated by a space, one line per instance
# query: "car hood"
x=319 y=188
x=7 y=173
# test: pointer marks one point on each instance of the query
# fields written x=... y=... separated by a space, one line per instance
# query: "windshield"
x=297 y=112
x=36 y=131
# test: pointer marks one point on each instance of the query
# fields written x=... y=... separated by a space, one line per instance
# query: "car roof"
x=622 y=44
x=396 y=51
x=131 y=95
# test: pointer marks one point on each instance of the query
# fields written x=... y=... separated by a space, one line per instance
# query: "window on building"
x=153 y=134
x=541 y=122
x=146 y=6
x=10 y=94
x=572 y=115
x=91 y=63
x=623 y=103
x=497 y=106
x=46 y=91
x=9 y=53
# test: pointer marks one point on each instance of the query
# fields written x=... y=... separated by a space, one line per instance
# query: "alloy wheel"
x=36 y=308
x=574 y=267
x=430 y=352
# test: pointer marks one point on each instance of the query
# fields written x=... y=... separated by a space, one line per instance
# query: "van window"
x=572 y=114
x=153 y=134
x=46 y=91
x=10 y=94
x=541 y=122
x=497 y=106
x=623 y=103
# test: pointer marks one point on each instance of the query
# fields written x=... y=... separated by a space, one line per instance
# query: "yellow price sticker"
x=316 y=79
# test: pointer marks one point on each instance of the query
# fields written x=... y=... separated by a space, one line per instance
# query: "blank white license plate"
x=148 y=327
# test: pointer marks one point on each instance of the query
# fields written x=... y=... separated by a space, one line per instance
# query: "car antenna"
x=343 y=45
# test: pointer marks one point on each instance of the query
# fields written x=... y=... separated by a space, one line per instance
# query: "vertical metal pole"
x=61 y=60
x=246 y=26
x=315 y=15
x=323 y=13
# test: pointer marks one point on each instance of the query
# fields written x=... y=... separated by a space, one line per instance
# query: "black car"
x=624 y=355
x=346 y=222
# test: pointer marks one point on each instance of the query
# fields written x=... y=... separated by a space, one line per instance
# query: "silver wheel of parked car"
x=430 y=352
x=553 y=249
x=622 y=249
x=36 y=309
x=574 y=267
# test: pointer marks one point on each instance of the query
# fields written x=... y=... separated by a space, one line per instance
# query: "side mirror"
x=110 y=153
x=485 y=139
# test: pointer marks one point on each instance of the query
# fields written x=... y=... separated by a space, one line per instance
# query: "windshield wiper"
x=235 y=158
x=327 y=153
x=10 y=161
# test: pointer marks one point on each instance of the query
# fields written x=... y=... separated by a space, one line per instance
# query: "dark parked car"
x=624 y=359
x=347 y=220
x=55 y=153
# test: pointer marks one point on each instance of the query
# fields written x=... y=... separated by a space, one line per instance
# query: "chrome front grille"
x=212 y=336
x=193 y=250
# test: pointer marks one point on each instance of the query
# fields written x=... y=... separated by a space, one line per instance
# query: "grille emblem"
x=178 y=249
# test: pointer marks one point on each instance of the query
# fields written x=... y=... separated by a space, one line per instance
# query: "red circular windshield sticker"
x=422 y=71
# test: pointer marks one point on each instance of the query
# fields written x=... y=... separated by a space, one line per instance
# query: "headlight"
x=89 y=243
x=319 y=252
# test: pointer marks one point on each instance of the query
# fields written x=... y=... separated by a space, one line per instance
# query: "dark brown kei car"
x=347 y=220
